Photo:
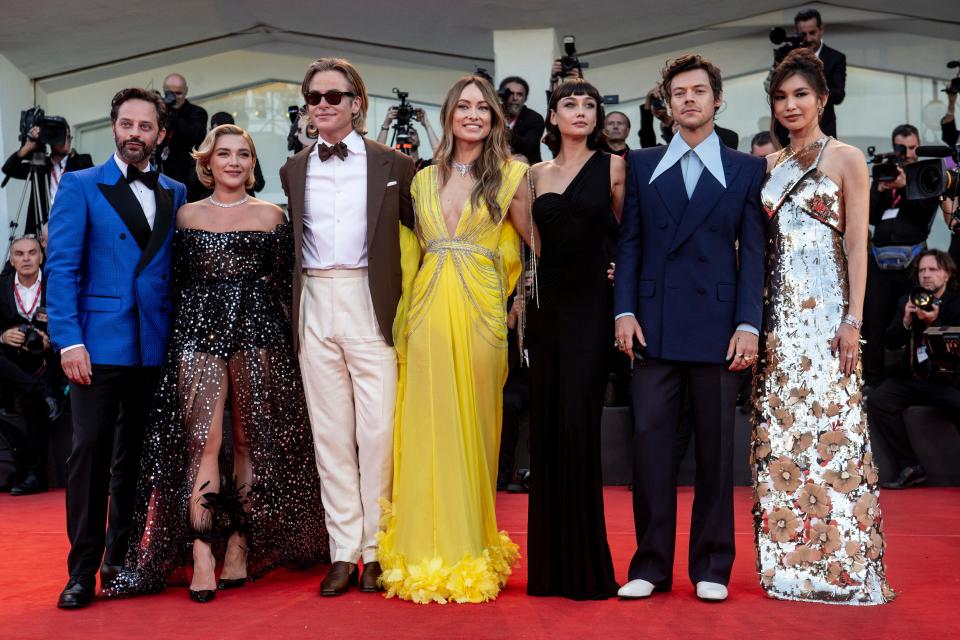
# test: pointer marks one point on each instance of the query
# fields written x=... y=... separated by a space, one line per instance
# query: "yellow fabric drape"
x=441 y=541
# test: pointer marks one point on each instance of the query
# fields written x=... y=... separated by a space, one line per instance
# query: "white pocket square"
x=391 y=183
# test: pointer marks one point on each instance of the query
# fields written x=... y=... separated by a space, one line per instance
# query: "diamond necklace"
x=225 y=205
x=461 y=168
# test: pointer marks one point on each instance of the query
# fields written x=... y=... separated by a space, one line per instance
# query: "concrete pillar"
x=527 y=53
x=16 y=96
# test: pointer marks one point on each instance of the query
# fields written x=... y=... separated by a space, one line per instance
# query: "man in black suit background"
x=526 y=125
x=186 y=129
x=809 y=24
x=63 y=158
x=28 y=365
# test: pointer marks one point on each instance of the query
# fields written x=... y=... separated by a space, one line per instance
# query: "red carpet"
x=923 y=532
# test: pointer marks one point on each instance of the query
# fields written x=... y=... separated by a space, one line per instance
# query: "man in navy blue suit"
x=108 y=303
x=689 y=295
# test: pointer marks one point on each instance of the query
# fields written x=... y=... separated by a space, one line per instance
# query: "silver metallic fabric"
x=819 y=530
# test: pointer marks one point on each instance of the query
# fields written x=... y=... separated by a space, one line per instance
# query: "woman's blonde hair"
x=487 y=169
x=354 y=81
x=205 y=151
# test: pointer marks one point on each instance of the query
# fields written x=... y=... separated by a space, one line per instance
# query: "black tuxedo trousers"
x=661 y=389
x=109 y=416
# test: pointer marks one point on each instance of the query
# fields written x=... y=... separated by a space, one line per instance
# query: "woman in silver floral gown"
x=230 y=347
x=819 y=531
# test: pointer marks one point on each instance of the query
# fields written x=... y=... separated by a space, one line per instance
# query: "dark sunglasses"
x=333 y=97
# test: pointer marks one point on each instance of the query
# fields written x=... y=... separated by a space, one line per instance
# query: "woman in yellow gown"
x=441 y=541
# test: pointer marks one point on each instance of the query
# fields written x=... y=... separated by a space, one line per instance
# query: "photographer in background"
x=414 y=138
x=900 y=230
x=948 y=124
x=63 y=158
x=655 y=107
x=950 y=136
x=526 y=126
x=918 y=382
x=809 y=24
x=616 y=128
x=186 y=129
x=28 y=364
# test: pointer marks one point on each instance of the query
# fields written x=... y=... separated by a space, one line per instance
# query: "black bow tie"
x=340 y=150
x=148 y=178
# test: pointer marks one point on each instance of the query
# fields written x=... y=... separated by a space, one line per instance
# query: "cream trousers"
x=350 y=380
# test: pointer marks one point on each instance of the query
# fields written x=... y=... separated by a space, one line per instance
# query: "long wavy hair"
x=487 y=169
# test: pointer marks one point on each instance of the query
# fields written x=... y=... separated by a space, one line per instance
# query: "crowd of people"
x=354 y=350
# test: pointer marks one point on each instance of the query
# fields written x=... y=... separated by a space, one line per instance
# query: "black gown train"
x=569 y=337
x=232 y=294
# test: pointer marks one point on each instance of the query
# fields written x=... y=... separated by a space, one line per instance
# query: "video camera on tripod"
x=884 y=166
x=933 y=178
x=785 y=43
x=403 y=126
x=53 y=129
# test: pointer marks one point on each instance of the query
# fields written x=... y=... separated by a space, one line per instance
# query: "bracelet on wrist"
x=853 y=321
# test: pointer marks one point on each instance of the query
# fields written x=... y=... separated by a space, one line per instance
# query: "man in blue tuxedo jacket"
x=689 y=294
x=108 y=302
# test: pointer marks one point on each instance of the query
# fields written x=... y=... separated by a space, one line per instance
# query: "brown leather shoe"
x=342 y=575
x=368 y=581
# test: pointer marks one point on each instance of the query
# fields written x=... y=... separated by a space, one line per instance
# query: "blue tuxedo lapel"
x=119 y=195
x=705 y=197
x=161 y=225
x=669 y=185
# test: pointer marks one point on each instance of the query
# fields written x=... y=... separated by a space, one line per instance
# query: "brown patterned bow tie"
x=340 y=150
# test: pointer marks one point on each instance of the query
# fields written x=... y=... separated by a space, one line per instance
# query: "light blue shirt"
x=693 y=161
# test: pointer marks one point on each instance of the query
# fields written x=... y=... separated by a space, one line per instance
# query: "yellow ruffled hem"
x=471 y=579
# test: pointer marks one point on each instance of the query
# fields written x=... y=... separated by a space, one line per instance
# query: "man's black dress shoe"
x=29 y=486
x=342 y=575
x=77 y=594
x=369 y=580
x=909 y=477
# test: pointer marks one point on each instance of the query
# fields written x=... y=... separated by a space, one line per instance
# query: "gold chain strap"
x=523 y=294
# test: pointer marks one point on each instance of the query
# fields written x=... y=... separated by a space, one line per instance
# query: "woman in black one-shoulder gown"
x=569 y=336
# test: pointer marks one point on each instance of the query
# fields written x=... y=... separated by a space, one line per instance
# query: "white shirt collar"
x=16 y=280
x=708 y=151
x=123 y=165
x=354 y=142
x=819 y=49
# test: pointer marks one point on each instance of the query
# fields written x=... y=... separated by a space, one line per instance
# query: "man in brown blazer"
x=347 y=198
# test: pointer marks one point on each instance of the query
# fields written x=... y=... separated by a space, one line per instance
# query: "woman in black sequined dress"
x=230 y=346
x=569 y=339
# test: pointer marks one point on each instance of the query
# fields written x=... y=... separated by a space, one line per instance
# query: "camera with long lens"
x=569 y=61
x=53 y=129
x=32 y=340
x=403 y=126
x=953 y=87
x=933 y=178
x=785 y=43
x=884 y=167
x=923 y=299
